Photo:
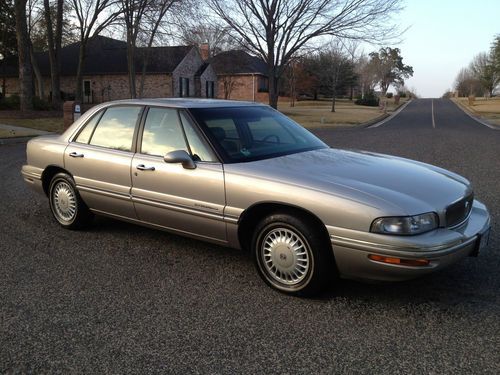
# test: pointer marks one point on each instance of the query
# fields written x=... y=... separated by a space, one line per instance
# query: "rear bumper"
x=33 y=177
x=440 y=247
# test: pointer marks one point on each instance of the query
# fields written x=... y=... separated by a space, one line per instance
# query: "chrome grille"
x=457 y=212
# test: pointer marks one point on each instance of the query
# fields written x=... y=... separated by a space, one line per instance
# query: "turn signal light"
x=402 y=262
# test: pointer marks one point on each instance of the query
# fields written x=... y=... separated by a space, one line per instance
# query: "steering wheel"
x=267 y=137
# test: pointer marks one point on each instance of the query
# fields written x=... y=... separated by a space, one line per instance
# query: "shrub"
x=41 y=104
x=370 y=99
x=388 y=95
x=10 y=102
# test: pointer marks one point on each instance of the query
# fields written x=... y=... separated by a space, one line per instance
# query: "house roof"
x=237 y=62
x=106 y=56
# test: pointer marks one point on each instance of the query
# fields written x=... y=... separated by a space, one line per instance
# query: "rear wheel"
x=66 y=205
x=292 y=256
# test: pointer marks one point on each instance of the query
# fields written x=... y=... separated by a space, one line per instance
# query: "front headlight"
x=405 y=225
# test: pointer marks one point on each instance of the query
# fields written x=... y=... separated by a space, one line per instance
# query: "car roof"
x=187 y=102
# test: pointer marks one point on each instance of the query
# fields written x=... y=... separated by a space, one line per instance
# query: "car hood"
x=383 y=181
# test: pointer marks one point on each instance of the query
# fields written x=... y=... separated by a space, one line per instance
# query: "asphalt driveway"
x=118 y=298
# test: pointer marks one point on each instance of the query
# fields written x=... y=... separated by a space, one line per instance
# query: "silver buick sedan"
x=245 y=176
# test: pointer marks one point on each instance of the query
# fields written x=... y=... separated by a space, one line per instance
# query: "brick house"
x=171 y=72
x=241 y=76
x=178 y=71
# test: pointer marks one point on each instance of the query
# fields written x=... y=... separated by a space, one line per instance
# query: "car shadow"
x=470 y=282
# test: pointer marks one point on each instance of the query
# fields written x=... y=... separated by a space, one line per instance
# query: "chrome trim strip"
x=231 y=219
x=184 y=209
x=464 y=221
x=31 y=175
x=157 y=204
x=106 y=193
x=406 y=250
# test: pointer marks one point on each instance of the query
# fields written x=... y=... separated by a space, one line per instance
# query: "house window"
x=263 y=84
x=87 y=91
x=183 y=87
x=209 y=89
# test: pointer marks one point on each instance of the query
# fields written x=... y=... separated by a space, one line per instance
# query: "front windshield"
x=254 y=132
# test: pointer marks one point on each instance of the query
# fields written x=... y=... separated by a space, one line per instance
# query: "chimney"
x=204 y=51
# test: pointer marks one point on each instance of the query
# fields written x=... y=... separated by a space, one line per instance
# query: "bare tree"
x=217 y=36
x=229 y=83
x=92 y=17
x=367 y=75
x=8 y=40
x=54 y=40
x=276 y=30
x=466 y=84
x=23 y=49
x=133 y=13
x=351 y=47
x=154 y=16
x=483 y=69
x=33 y=19
x=495 y=53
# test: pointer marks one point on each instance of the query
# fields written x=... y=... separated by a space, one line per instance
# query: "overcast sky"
x=444 y=36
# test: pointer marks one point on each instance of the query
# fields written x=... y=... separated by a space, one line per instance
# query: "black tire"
x=66 y=205
x=278 y=244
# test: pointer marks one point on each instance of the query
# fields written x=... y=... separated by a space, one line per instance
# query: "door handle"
x=76 y=155
x=142 y=167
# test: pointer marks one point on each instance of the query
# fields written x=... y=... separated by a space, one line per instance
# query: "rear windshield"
x=254 y=132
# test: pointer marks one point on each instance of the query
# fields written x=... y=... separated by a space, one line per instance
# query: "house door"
x=87 y=92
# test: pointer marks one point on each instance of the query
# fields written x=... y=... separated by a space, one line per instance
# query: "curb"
x=389 y=117
x=467 y=111
x=374 y=121
x=14 y=140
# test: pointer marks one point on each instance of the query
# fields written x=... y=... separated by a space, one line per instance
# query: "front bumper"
x=441 y=247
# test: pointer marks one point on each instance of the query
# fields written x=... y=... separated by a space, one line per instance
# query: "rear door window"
x=116 y=128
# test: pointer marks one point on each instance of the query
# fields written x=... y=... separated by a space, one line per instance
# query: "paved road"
x=124 y=299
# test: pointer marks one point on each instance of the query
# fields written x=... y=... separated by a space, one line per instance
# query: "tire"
x=66 y=205
x=292 y=255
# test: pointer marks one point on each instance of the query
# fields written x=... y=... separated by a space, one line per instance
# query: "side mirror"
x=180 y=156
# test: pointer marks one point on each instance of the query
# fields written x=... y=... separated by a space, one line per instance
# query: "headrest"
x=218 y=132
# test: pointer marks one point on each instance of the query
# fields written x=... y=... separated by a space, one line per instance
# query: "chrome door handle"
x=76 y=155
x=142 y=167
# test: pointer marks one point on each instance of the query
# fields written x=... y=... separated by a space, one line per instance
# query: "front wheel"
x=67 y=207
x=292 y=256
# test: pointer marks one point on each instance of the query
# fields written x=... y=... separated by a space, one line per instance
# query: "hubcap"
x=285 y=256
x=64 y=201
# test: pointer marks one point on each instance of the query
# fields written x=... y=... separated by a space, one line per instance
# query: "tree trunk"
x=131 y=69
x=79 y=71
x=273 y=87
x=38 y=75
x=53 y=55
x=334 y=95
x=25 y=68
x=143 y=74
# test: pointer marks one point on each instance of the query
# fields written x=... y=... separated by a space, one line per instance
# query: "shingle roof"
x=237 y=62
x=106 y=56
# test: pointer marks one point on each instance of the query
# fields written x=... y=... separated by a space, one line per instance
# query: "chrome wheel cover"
x=285 y=256
x=64 y=201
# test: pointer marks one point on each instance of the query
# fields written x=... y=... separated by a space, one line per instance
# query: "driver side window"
x=162 y=132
